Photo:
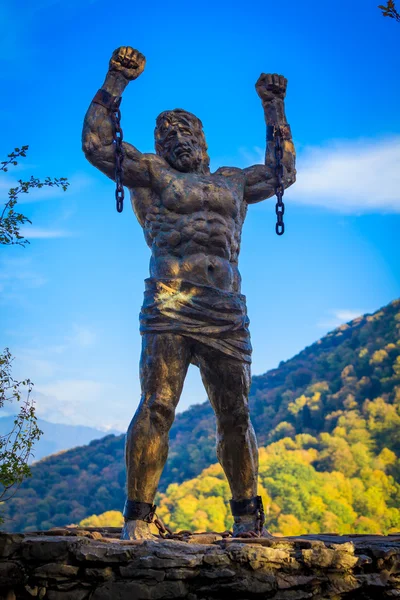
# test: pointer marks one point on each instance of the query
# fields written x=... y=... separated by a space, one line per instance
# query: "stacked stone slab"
x=73 y=564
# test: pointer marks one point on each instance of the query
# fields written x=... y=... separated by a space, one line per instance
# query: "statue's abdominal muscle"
x=193 y=226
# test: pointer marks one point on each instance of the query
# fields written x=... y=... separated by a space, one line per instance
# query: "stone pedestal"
x=76 y=564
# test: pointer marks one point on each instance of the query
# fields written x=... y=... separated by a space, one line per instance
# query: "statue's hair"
x=178 y=114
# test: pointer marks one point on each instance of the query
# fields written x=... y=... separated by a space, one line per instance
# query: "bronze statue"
x=193 y=310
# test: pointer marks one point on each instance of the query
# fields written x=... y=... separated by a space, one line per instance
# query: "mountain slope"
x=56 y=436
x=317 y=370
x=352 y=369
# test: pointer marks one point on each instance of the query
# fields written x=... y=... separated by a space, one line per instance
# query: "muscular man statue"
x=193 y=309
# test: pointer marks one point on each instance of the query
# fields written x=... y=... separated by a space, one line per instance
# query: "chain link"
x=183 y=536
x=119 y=156
x=167 y=534
x=260 y=521
x=279 y=189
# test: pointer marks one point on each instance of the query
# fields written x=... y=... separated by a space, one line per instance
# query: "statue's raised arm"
x=126 y=64
x=260 y=180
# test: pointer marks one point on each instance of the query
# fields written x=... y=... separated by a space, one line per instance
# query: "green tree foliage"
x=111 y=518
x=70 y=486
x=328 y=422
x=297 y=496
x=10 y=220
x=16 y=446
x=389 y=10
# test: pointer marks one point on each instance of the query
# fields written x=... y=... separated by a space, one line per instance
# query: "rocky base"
x=76 y=564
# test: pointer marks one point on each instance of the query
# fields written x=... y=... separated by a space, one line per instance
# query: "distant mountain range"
x=334 y=378
x=56 y=437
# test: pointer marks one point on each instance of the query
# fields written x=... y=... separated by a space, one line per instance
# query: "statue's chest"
x=193 y=193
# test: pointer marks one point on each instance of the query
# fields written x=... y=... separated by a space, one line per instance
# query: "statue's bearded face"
x=178 y=142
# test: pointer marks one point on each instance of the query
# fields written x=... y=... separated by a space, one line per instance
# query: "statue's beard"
x=184 y=161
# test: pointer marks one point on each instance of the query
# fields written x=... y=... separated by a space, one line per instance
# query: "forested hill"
x=56 y=436
x=345 y=389
x=357 y=361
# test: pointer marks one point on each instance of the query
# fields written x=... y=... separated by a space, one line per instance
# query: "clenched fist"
x=127 y=61
x=270 y=86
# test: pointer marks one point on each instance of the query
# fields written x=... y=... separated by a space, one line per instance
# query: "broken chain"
x=119 y=155
x=279 y=189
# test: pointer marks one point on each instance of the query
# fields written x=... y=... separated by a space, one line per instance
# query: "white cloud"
x=33 y=363
x=62 y=395
x=347 y=176
x=82 y=336
x=347 y=315
x=32 y=233
x=255 y=156
x=340 y=316
x=83 y=402
x=363 y=176
x=38 y=367
x=37 y=357
x=70 y=391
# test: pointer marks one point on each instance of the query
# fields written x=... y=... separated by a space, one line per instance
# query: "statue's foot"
x=137 y=530
x=246 y=526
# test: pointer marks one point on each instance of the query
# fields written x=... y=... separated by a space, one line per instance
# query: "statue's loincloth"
x=208 y=315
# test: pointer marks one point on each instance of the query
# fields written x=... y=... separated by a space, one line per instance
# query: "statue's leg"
x=227 y=382
x=163 y=366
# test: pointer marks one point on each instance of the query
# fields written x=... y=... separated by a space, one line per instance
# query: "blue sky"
x=70 y=300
